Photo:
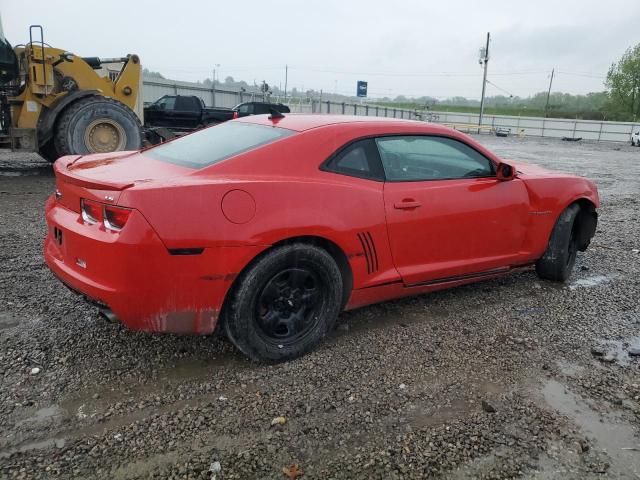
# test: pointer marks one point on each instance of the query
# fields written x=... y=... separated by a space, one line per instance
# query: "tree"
x=149 y=74
x=623 y=83
x=229 y=80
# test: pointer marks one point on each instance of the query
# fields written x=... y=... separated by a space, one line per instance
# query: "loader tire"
x=97 y=125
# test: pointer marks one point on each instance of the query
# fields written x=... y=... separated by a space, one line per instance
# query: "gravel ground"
x=514 y=377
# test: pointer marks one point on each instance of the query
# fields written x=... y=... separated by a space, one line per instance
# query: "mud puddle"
x=36 y=445
x=569 y=369
x=621 y=352
x=42 y=415
x=590 y=282
x=610 y=433
x=420 y=417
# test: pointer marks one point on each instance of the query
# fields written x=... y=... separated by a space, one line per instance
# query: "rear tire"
x=557 y=262
x=285 y=303
x=97 y=125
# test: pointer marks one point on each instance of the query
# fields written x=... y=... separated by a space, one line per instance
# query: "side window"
x=414 y=158
x=243 y=108
x=359 y=159
x=166 y=103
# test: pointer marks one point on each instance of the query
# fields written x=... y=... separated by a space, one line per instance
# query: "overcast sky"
x=401 y=47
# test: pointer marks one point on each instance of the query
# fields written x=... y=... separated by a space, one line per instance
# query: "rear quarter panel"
x=292 y=197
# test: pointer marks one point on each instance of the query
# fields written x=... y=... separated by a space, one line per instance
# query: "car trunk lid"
x=103 y=177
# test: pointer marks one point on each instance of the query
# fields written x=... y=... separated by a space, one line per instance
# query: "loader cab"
x=8 y=63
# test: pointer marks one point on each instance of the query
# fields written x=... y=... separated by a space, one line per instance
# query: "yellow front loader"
x=56 y=103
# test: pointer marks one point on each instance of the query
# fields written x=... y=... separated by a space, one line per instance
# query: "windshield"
x=215 y=144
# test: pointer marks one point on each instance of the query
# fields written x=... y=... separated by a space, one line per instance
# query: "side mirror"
x=505 y=172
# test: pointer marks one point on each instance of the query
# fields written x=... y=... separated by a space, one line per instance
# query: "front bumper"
x=132 y=273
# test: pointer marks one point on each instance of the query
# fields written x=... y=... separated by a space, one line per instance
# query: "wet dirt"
x=611 y=434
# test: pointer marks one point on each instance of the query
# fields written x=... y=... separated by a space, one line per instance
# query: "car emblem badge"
x=108 y=198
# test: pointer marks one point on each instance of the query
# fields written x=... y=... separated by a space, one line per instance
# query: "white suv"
x=635 y=139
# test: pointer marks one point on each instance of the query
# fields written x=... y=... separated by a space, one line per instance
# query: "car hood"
x=115 y=171
x=525 y=168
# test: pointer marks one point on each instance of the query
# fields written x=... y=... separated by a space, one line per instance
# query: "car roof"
x=300 y=122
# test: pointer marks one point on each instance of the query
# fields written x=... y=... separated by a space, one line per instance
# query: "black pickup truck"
x=183 y=113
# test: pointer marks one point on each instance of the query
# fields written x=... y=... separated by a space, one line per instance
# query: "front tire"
x=284 y=305
x=558 y=260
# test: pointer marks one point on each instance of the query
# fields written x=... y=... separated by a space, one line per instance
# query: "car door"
x=158 y=114
x=187 y=112
x=245 y=109
x=448 y=215
x=261 y=109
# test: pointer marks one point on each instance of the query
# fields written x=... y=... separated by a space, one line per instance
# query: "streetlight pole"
x=484 y=59
x=286 y=78
x=213 y=84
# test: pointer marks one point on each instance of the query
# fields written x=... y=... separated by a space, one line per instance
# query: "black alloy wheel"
x=288 y=305
x=284 y=303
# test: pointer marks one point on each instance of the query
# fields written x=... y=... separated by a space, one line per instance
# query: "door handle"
x=407 y=205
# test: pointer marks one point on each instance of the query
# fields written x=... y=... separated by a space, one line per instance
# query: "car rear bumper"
x=132 y=274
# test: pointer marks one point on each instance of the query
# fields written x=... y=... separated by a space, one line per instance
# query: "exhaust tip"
x=107 y=314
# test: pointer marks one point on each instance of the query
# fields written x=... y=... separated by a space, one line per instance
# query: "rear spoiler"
x=61 y=170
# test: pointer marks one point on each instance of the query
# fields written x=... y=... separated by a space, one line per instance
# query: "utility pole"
x=286 y=77
x=546 y=107
x=484 y=60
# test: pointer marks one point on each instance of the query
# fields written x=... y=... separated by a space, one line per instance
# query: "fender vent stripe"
x=370 y=252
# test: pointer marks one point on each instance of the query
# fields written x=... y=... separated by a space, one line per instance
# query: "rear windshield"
x=212 y=145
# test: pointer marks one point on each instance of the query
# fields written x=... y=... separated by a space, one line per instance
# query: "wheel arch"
x=586 y=222
x=332 y=248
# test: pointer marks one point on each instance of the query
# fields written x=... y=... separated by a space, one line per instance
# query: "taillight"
x=115 y=217
x=235 y=114
x=91 y=211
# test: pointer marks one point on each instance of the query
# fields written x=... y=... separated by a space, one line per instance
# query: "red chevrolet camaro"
x=270 y=226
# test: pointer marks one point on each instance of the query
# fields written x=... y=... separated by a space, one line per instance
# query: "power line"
x=500 y=88
x=409 y=74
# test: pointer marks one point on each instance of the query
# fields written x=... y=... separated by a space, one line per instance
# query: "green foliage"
x=592 y=106
x=149 y=74
x=623 y=83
